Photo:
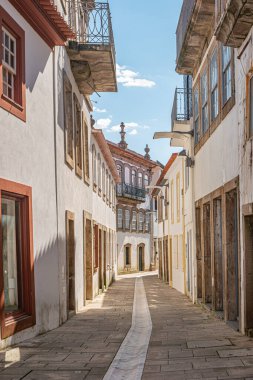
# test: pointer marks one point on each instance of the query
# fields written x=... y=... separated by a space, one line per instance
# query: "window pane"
x=11 y=221
x=127 y=219
x=120 y=220
x=134 y=177
x=127 y=175
x=214 y=103
x=227 y=84
x=134 y=220
x=204 y=88
x=139 y=179
x=226 y=56
x=214 y=71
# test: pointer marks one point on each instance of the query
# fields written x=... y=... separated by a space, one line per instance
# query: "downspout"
x=56 y=180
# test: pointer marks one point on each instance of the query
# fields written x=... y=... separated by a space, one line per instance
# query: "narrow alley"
x=187 y=342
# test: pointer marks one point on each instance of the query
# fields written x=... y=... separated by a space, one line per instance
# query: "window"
x=127 y=219
x=226 y=73
x=127 y=175
x=86 y=151
x=78 y=137
x=147 y=222
x=119 y=170
x=94 y=164
x=134 y=220
x=251 y=107
x=178 y=197
x=196 y=115
x=140 y=184
x=146 y=180
x=99 y=172
x=120 y=218
x=110 y=190
x=187 y=176
x=166 y=201
x=68 y=120
x=134 y=178
x=140 y=221
x=127 y=255
x=16 y=264
x=103 y=179
x=12 y=66
x=107 y=185
x=172 y=201
x=214 y=86
x=204 y=102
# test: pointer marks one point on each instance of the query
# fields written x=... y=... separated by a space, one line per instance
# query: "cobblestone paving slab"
x=130 y=359
x=82 y=348
x=187 y=342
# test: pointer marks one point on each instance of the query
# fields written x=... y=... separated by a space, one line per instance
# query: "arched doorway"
x=141 y=258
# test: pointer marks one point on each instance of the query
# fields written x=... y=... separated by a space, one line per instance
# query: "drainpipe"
x=56 y=180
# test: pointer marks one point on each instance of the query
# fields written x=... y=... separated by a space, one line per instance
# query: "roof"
x=165 y=171
x=103 y=145
x=128 y=153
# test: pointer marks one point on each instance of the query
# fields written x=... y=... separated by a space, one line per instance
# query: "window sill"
x=13 y=108
x=16 y=322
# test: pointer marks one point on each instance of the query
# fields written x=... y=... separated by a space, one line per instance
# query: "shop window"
x=12 y=66
x=214 y=86
x=17 y=310
x=226 y=73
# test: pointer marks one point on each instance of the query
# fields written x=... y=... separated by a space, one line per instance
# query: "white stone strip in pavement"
x=129 y=361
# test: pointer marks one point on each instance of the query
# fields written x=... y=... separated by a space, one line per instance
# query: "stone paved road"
x=186 y=342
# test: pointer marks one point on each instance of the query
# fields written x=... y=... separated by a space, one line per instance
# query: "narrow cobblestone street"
x=186 y=342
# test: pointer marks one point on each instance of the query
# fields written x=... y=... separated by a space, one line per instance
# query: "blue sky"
x=144 y=33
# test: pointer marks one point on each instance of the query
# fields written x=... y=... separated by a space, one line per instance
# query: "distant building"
x=134 y=207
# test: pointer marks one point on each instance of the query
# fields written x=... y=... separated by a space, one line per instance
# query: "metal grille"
x=129 y=191
x=91 y=21
x=182 y=106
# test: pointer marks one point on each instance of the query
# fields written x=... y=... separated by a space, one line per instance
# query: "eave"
x=235 y=23
x=164 y=172
x=46 y=20
x=193 y=28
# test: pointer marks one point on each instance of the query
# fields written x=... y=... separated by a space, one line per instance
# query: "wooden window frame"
x=249 y=116
x=178 y=197
x=16 y=106
x=68 y=122
x=86 y=159
x=206 y=104
x=78 y=137
x=14 y=322
x=216 y=86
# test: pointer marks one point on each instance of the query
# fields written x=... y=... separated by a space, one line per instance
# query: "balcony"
x=132 y=193
x=181 y=110
x=92 y=53
x=235 y=22
x=193 y=29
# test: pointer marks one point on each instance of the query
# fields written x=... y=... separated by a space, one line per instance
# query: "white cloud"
x=103 y=123
x=99 y=110
x=133 y=132
x=129 y=78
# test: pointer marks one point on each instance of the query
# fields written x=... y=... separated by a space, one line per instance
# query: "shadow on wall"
x=102 y=324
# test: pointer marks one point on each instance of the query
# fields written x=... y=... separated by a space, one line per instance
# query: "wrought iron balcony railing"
x=129 y=191
x=91 y=22
x=182 y=105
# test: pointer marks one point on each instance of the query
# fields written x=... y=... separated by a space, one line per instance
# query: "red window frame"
x=19 y=320
x=16 y=107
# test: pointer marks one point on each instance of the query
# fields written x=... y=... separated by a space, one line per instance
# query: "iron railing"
x=129 y=191
x=184 y=19
x=91 y=21
x=182 y=105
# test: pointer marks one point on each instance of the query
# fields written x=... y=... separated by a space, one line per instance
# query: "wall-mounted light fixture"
x=189 y=161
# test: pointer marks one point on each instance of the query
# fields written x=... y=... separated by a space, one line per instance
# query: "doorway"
x=218 y=255
x=70 y=262
x=105 y=257
x=141 y=258
x=199 y=253
x=248 y=241
x=171 y=261
x=207 y=253
x=88 y=254
x=100 y=260
x=232 y=256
